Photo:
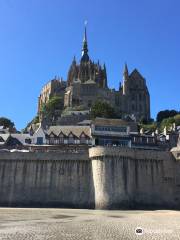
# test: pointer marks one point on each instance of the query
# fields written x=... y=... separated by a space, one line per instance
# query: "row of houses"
x=104 y=132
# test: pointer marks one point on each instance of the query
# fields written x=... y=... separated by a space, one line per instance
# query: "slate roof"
x=20 y=137
x=135 y=73
x=1 y=139
x=85 y=123
x=12 y=141
x=76 y=130
x=110 y=122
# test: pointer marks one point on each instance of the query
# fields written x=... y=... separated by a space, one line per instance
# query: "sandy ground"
x=73 y=224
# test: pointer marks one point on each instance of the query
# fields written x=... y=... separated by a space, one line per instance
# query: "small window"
x=28 y=140
x=71 y=139
x=39 y=140
x=140 y=97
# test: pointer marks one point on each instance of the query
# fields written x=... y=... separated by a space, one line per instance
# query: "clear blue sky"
x=38 y=39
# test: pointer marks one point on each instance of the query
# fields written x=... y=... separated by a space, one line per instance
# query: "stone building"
x=69 y=135
x=133 y=97
x=87 y=83
x=112 y=132
x=55 y=87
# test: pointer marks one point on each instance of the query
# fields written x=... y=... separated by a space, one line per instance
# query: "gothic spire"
x=126 y=73
x=85 y=34
x=125 y=80
x=74 y=60
x=85 y=57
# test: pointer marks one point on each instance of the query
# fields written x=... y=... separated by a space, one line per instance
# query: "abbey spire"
x=85 y=57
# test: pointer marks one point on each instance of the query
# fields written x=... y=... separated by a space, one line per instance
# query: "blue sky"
x=38 y=39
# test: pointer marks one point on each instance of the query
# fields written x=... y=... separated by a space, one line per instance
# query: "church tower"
x=135 y=95
x=86 y=70
x=87 y=80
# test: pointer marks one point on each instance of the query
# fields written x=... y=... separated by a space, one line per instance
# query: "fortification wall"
x=131 y=178
x=104 y=178
x=46 y=179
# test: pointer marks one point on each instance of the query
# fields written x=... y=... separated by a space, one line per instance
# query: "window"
x=28 y=140
x=61 y=138
x=140 y=97
x=123 y=143
x=39 y=140
x=150 y=140
x=71 y=139
x=111 y=128
x=56 y=141
x=83 y=138
x=51 y=140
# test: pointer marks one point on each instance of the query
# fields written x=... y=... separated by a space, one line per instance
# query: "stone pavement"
x=74 y=224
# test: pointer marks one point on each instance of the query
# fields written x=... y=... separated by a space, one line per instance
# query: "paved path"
x=57 y=224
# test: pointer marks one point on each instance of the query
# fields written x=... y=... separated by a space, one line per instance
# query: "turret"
x=74 y=61
x=125 y=80
x=105 y=76
x=119 y=86
x=72 y=74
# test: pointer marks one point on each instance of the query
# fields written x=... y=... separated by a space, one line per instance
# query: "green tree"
x=177 y=119
x=150 y=126
x=52 y=106
x=6 y=123
x=33 y=121
x=167 y=122
x=102 y=109
x=165 y=114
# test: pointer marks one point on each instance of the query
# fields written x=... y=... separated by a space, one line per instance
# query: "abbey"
x=87 y=82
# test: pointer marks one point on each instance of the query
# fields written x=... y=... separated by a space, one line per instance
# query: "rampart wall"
x=132 y=178
x=46 y=179
x=104 y=178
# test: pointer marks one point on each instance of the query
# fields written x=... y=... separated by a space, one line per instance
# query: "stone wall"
x=131 y=178
x=104 y=178
x=46 y=179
